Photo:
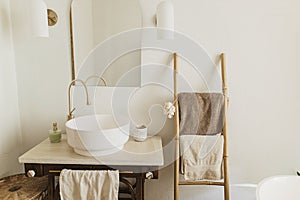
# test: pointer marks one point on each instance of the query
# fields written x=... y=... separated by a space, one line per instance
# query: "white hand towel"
x=89 y=185
x=201 y=157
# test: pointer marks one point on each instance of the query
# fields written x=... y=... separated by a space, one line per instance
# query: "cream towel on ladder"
x=201 y=157
x=89 y=185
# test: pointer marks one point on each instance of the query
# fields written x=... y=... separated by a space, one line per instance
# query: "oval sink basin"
x=97 y=135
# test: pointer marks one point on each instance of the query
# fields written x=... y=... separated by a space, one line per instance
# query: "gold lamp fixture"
x=41 y=18
x=52 y=17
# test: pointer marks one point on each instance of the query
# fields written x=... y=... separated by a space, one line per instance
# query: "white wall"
x=43 y=71
x=262 y=44
x=10 y=135
x=261 y=39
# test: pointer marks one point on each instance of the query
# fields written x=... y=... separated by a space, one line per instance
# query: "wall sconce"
x=52 y=17
x=41 y=18
x=165 y=20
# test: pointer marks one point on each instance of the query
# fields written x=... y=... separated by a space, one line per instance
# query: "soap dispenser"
x=54 y=133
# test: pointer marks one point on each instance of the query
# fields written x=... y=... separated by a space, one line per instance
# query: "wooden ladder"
x=225 y=182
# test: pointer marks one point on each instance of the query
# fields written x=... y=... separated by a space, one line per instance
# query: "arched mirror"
x=93 y=22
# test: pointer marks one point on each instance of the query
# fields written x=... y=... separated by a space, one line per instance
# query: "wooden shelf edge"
x=201 y=183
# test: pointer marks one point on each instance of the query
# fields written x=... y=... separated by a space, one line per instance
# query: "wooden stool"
x=21 y=187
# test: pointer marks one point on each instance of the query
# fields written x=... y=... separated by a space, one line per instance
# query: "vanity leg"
x=140 y=188
x=51 y=182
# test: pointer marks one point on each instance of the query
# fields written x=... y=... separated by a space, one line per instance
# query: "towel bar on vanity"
x=148 y=175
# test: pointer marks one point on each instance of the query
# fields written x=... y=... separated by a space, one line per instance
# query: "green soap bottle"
x=54 y=133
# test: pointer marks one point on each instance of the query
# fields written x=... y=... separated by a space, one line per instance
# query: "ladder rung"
x=201 y=183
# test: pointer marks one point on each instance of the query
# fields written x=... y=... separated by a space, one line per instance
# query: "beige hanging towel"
x=201 y=157
x=89 y=185
x=200 y=113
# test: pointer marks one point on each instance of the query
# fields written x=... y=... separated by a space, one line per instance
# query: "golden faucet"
x=71 y=110
x=98 y=77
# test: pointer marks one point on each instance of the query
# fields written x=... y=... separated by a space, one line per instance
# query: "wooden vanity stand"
x=135 y=160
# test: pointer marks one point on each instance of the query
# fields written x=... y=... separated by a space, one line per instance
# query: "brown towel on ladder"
x=201 y=113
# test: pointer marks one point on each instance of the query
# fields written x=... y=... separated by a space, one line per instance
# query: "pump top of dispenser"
x=54 y=126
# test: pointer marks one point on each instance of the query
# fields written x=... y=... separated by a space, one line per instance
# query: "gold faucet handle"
x=70 y=115
x=72 y=111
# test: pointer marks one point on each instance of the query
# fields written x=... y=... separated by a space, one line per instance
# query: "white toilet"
x=279 y=188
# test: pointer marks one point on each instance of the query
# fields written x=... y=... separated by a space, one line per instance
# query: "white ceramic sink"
x=97 y=135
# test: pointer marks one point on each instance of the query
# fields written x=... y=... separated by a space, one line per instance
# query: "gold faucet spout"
x=98 y=77
x=71 y=110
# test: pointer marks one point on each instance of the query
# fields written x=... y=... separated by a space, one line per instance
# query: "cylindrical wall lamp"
x=165 y=20
x=39 y=18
